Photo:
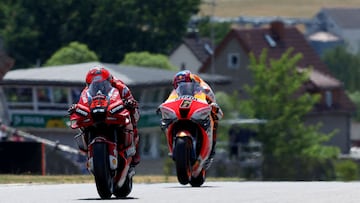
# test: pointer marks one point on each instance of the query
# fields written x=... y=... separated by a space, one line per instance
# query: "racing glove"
x=216 y=111
x=131 y=104
x=72 y=109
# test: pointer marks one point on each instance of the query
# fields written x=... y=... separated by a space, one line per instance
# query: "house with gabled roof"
x=231 y=58
x=192 y=52
x=340 y=21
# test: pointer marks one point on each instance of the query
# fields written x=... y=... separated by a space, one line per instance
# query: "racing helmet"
x=98 y=73
x=182 y=76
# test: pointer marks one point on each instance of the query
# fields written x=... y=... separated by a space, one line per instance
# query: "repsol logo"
x=187 y=97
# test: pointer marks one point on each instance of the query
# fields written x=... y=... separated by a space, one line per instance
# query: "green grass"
x=60 y=179
x=284 y=8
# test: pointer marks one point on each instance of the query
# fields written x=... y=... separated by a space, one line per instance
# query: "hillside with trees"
x=33 y=30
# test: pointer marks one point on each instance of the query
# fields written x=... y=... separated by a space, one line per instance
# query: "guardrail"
x=9 y=131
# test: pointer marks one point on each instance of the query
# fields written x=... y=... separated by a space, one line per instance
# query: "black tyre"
x=102 y=173
x=125 y=189
x=183 y=148
x=198 y=181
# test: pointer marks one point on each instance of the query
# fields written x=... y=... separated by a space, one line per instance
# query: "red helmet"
x=99 y=73
x=182 y=76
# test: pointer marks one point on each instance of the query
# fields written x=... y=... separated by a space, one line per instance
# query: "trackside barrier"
x=14 y=132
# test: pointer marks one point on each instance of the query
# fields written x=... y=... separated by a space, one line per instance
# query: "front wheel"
x=199 y=180
x=183 y=149
x=125 y=189
x=102 y=173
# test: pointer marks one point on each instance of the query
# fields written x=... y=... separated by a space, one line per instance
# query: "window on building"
x=18 y=94
x=233 y=60
x=75 y=95
x=270 y=40
x=151 y=98
x=43 y=94
x=19 y=97
x=136 y=93
x=328 y=98
x=60 y=95
x=51 y=98
x=146 y=145
x=154 y=95
x=39 y=98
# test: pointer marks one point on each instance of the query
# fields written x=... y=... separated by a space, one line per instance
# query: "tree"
x=139 y=25
x=344 y=66
x=147 y=59
x=17 y=33
x=355 y=97
x=111 y=28
x=291 y=148
x=219 y=29
x=75 y=52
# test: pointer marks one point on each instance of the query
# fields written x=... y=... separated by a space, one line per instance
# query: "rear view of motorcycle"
x=107 y=138
x=188 y=125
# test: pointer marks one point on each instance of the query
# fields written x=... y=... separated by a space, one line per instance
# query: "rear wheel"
x=183 y=148
x=102 y=173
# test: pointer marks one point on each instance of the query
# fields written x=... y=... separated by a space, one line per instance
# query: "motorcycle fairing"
x=116 y=113
x=189 y=108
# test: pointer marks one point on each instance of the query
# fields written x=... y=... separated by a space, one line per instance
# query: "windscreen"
x=99 y=87
x=188 y=88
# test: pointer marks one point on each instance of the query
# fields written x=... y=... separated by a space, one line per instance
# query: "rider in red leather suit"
x=129 y=101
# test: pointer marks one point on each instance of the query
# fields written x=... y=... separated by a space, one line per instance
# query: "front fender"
x=183 y=133
x=112 y=152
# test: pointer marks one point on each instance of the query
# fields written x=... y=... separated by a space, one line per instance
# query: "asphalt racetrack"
x=262 y=192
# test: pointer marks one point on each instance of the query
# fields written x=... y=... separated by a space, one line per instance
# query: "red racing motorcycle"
x=187 y=123
x=107 y=138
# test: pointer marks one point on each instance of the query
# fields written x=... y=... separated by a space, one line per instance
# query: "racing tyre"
x=102 y=173
x=198 y=181
x=183 y=148
x=125 y=189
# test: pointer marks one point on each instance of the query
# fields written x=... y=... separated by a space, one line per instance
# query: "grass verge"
x=61 y=179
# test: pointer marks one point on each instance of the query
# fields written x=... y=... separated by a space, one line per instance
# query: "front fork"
x=112 y=152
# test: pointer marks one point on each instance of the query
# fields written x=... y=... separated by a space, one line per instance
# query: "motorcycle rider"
x=216 y=112
x=130 y=103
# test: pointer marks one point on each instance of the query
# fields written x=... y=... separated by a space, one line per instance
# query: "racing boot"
x=136 y=158
x=209 y=161
x=212 y=153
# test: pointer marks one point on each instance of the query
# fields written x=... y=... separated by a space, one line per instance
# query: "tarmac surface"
x=268 y=192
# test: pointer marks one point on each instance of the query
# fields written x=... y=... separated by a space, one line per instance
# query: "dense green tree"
x=75 y=52
x=226 y=103
x=233 y=108
x=344 y=66
x=355 y=97
x=147 y=59
x=19 y=38
x=218 y=30
x=291 y=148
x=110 y=27
x=140 y=25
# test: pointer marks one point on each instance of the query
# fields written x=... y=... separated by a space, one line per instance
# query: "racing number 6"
x=185 y=104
